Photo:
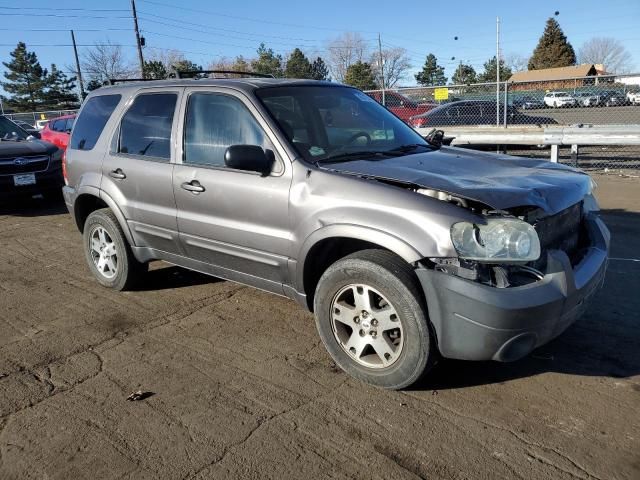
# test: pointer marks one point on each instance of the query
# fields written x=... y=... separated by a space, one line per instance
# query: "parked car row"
x=606 y=98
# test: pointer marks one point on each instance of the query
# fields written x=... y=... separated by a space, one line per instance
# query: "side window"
x=55 y=126
x=213 y=123
x=146 y=127
x=91 y=122
x=69 y=124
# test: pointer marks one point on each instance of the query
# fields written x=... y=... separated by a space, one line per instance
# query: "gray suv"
x=404 y=250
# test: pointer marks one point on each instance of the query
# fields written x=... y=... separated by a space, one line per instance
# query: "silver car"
x=404 y=250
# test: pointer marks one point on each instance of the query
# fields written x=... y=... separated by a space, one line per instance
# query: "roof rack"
x=193 y=73
x=113 y=81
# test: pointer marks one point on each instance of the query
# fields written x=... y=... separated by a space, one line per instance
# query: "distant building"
x=560 y=77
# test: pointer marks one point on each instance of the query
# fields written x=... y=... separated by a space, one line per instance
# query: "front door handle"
x=117 y=173
x=193 y=186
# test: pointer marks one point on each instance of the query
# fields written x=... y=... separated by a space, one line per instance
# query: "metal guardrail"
x=575 y=136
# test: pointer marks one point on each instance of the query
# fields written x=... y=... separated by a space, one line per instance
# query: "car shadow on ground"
x=603 y=343
x=166 y=277
x=36 y=206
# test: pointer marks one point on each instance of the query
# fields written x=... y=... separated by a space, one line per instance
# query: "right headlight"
x=500 y=240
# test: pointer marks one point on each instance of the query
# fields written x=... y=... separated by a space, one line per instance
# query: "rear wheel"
x=108 y=253
x=371 y=316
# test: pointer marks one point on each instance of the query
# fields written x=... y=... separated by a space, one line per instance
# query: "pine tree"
x=26 y=80
x=553 y=49
x=319 y=70
x=155 y=70
x=298 y=65
x=464 y=74
x=489 y=74
x=432 y=73
x=241 y=65
x=60 y=92
x=268 y=62
x=361 y=76
x=186 y=66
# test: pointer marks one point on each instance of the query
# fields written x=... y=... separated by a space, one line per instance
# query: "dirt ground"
x=241 y=388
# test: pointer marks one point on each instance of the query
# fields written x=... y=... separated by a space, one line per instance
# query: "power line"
x=249 y=19
x=67 y=9
x=53 y=15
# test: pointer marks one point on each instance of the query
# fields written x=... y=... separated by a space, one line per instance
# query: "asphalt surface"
x=237 y=385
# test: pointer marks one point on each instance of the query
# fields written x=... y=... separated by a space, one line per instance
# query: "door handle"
x=117 y=173
x=193 y=186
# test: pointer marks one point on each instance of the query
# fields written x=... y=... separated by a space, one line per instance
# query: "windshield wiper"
x=346 y=156
x=410 y=147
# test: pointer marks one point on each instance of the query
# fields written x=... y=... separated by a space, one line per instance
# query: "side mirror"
x=251 y=158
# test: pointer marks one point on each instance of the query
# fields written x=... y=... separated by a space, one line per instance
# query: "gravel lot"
x=242 y=388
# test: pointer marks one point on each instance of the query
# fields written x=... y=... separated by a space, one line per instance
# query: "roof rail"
x=113 y=81
x=186 y=73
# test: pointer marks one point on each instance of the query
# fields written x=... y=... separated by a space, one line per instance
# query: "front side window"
x=145 y=129
x=213 y=123
x=91 y=122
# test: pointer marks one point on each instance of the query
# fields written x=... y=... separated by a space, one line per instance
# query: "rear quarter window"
x=91 y=122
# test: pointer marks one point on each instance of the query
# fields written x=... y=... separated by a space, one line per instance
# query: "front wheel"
x=372 y=319
x=108 y=253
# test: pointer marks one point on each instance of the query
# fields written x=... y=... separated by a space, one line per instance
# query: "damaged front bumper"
x=474 y=321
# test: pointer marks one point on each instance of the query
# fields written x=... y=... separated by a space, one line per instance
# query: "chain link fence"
x=594 y=100
x=33 y=117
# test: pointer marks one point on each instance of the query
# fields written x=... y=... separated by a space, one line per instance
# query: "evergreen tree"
x=26 y=80
x=155 y=70
x=92 y=85
x=268 y=62
x=432 y=73
x=489 y=74
x=319 y=70
x=553 y=49
x=186 y=66
x=298 y=66
x=60 y=92
x=361 y=76
x=464 y=74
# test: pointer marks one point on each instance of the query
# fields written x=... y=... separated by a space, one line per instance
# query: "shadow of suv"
x=403 y=249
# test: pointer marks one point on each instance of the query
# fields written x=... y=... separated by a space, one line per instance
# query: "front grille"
x=562 y=231
x=17 y=165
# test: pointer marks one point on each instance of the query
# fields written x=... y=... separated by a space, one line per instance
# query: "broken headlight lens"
x=500 y=240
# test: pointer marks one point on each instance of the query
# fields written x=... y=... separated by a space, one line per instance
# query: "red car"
x=58 y=130
x=402 y=106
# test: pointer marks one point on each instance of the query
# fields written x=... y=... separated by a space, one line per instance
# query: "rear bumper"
x=479 y=322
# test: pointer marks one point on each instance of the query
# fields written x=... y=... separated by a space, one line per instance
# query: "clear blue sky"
x=236 y=28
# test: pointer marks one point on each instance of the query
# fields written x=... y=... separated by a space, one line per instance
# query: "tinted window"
x=69 y=124
x=146 y=127
x=56 y=125
x=92 y=120
x=215 y=122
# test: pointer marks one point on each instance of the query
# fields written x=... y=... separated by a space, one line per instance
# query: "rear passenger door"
x=235 y=221
x=137 y=171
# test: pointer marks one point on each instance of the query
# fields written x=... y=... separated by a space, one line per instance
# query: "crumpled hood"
x=499 y=181
x=25 y=148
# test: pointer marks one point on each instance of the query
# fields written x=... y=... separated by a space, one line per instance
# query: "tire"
x=404 y=347
x=123 y=271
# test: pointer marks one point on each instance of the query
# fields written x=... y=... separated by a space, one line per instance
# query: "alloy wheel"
x=366 y=326
x=103 y=252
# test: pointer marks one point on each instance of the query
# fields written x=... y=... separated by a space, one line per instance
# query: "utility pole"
x=78 y=72
x=135 y=25
x=384 y=102
x=497 y=71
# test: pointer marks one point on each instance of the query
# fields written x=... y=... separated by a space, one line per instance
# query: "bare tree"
x=606 y=51
x=396 y=66
x=516 y=62
x=168 y=58
x=344 y=51
x=106 y=61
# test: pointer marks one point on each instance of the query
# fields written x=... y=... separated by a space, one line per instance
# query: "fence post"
x=554 y=153
x=574 y=155
x=506 y=102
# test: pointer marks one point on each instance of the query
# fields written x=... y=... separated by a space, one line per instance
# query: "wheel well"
x=84 y=205
x=323 y=254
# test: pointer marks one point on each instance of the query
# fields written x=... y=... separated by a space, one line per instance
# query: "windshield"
x=11 y=131
x=332 y=123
